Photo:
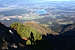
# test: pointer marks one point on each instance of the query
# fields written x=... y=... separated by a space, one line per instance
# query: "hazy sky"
x=32 y=0
x=53 y=0
x=41 y=0
x=45 y=0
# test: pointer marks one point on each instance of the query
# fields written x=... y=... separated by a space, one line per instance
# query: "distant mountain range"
x=14 y=12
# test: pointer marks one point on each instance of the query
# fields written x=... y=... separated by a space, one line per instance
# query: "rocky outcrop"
x=68 y=27
x=9 y=38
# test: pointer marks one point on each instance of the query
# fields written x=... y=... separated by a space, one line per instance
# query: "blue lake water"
x=42 y=11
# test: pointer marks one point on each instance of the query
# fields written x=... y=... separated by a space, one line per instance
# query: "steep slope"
x=8 y=37
x=68 y=28
x=70 y=33
x=40 y=28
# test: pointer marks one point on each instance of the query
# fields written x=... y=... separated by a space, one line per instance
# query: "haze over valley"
x=27 y=24
x=48 y=13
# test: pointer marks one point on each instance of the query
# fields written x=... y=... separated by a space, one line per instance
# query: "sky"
x=31 y=0
x=53 y=0
x=13 y=3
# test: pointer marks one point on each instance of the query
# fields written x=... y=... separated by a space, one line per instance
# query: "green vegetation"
x=25 y=31
x=28 y=42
